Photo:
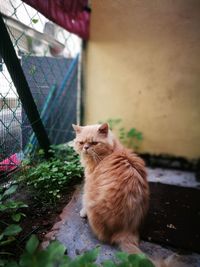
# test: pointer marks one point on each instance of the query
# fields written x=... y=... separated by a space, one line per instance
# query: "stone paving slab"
x=173 y=177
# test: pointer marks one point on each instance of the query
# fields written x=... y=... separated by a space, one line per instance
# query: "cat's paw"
x=83 y=213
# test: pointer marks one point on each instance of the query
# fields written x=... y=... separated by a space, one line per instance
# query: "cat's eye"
x=94 y=143
x=81 y=143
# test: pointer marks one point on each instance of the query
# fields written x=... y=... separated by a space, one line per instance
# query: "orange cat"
x=116 y=192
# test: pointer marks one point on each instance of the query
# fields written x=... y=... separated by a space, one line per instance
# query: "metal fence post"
x=9 y=56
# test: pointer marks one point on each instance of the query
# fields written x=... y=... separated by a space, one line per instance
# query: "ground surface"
x=173 y=219
x=174 y=214
x=40 y=217
x=76 y=235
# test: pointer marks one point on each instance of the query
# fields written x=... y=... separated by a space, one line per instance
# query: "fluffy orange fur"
x=116 y=192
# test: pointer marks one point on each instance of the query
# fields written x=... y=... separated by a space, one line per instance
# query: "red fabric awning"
x=73 y=15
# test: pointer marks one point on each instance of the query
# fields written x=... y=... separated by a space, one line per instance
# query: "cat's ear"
x=103 y=129
x=77 y=128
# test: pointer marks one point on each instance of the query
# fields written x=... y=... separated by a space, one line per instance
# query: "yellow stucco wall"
x=143 y=65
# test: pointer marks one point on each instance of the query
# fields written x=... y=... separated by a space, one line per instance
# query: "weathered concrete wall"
x=143 y=65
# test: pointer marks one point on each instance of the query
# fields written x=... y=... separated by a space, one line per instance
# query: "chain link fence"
x=50 y=59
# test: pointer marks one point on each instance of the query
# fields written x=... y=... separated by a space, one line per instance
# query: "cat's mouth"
x=86 y=152
x=92 y=154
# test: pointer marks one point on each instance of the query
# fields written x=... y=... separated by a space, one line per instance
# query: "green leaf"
x=27 y=260
x=131 y=132
x=11 y=205
x=11 y=264
x=2 y=262
x=6 y=253
x=137 y=259
x=35 y=21
x=3 y=207
x=32 y=244
x=9 y=240
x=41 y=151
x=122 y=256
x=15 y=204
x=139 y=136
x=16 y=217
x=8 y=263
x=146 y=263
x=134 y=259
x=89 y=256
x=12 y=229
x=21 y=204
x=1 y=236
x=108 y=263
x=56 y=250
x=10 y=190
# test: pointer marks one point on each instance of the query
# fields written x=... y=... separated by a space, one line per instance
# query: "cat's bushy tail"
x=129 y=243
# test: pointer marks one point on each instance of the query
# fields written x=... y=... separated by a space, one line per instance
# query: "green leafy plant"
x=54 y=255
x=35 y=21
x=131 y=138
x=11 y=215
x=48 y=178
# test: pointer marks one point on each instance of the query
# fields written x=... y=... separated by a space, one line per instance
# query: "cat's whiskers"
x=96 y=157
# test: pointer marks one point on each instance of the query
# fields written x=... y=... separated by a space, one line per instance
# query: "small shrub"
x=54 y=255
x=48 y=178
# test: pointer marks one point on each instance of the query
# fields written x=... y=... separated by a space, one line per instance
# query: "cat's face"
x=95 y=141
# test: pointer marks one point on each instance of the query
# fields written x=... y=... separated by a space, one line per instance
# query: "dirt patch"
x=174 y=217
x=40 y=217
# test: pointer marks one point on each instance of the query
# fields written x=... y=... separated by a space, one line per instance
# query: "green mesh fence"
x=49 y=56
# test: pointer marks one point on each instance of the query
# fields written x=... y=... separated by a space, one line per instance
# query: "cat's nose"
x=86 y=146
